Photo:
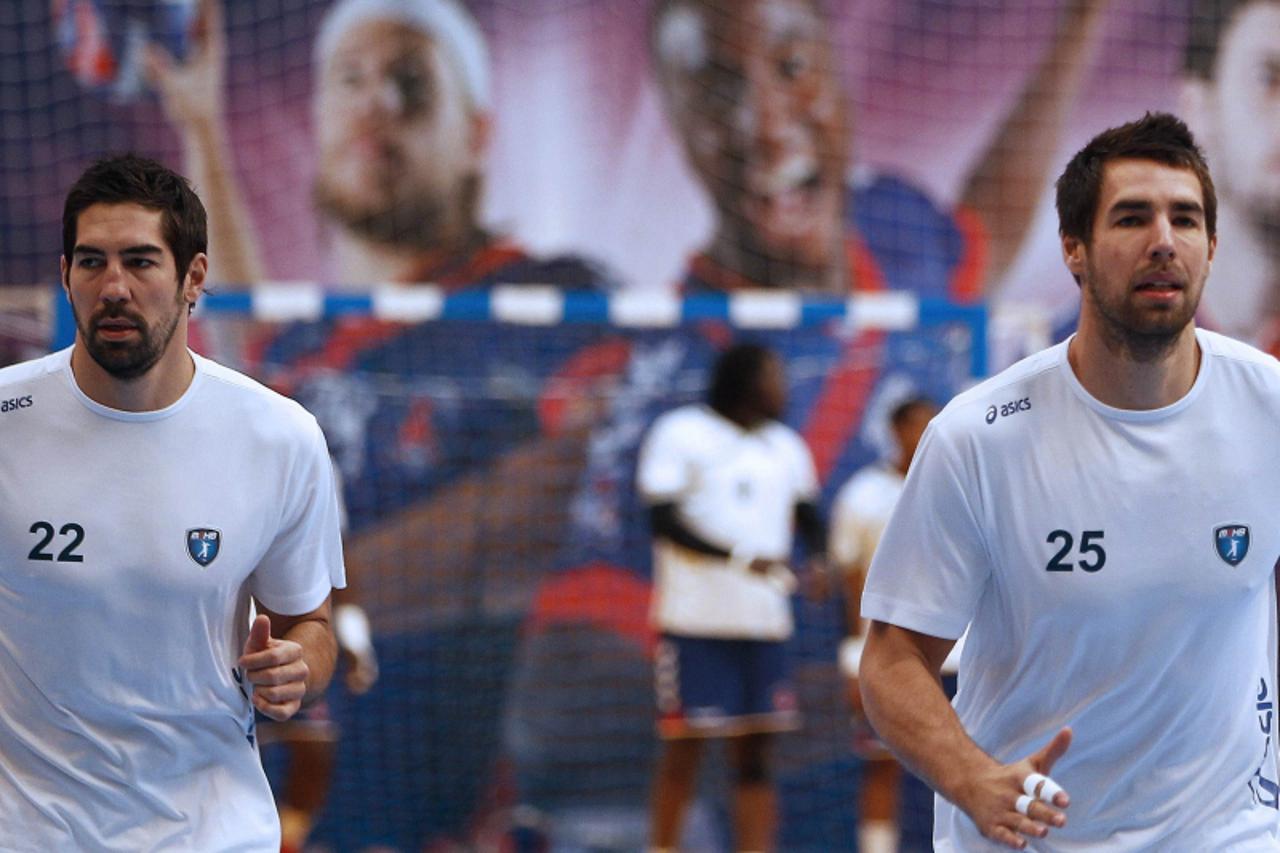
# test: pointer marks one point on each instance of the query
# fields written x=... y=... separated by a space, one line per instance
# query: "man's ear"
x=481 y=125
x=1073 y=254
x=193 y=283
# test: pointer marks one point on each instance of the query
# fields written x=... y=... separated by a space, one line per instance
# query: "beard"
x=1143 y=334
x=127 y=360
x=395 y=213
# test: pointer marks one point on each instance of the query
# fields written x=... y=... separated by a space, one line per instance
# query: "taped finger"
x=1049 y=790
x=1031 y=784
x=1023 y=803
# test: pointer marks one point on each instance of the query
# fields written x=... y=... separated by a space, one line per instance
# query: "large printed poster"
x=628 y=143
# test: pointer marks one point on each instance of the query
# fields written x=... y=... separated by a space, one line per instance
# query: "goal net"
x=497 y=543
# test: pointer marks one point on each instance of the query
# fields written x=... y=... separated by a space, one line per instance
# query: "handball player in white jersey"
x=149 y=500
x=1102 y=516
x=726 y=483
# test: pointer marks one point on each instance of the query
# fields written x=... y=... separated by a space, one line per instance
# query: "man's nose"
x=766 y=110
x=114 y=286
x=1162 y=244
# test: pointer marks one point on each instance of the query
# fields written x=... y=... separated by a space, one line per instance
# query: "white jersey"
x=130 y=544
x=1117 y=567
x=859 y=515
x=860 y=512
x=736 y=488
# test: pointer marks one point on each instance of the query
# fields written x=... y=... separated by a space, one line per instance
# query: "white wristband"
x=351 y=627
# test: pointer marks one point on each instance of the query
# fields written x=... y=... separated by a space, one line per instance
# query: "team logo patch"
x=1232 y=541
x=202 y=544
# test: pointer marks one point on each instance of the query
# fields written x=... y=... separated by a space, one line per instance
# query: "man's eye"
x=89 y=263
x=721 y=86
x=349 y=78
x=412 y=85
x=793 y=66
x=1269 y=76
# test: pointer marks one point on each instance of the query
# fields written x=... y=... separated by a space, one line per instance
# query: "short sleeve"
x=932 y=565
x=304 y=562
x=662 y=472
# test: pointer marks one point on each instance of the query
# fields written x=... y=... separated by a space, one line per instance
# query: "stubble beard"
x=1141 y=336
x=128 y=360
x=395 y=214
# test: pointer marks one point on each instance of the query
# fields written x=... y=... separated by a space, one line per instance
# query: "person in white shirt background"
x=859 y=513
x=726 y=483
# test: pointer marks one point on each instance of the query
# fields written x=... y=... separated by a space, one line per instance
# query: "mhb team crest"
x=202 y=544
x=1232 y=541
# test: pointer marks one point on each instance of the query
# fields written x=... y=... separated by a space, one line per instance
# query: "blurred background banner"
x=582 y=155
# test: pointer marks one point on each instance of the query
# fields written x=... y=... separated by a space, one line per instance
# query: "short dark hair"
x=129 y=179
x=1160 y=137
x=1209 y=21
x=735 y=377
x=908 y=407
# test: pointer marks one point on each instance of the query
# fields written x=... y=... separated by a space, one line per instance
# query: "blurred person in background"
x=402 y=110
x=726 y=482
x=1231 y=99
x=753 y=90
x=859 y=513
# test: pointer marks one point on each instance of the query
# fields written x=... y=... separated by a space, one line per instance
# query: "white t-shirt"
x=130 y=544
x=860 y=512
x=1098 y=554
x=738 y=489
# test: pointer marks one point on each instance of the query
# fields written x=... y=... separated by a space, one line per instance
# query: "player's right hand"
x=191 y=92
x=990 y=800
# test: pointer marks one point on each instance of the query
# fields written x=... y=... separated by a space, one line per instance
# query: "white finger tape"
x=1032 y=783
x=1050 y=790
x=1023 y=803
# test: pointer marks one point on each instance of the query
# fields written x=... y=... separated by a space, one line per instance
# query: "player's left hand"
x=276 y=670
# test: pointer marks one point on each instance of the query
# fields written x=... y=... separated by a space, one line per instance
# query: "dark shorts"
x=722 y=688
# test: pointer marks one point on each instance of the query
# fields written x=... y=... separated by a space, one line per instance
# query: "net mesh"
x=499 y=548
